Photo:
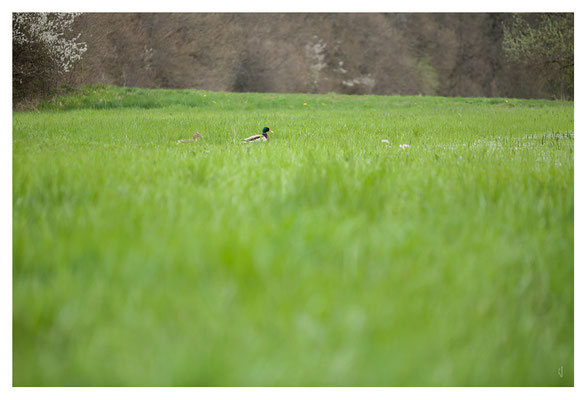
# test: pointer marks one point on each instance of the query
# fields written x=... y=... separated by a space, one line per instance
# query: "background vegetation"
x=323 y=257
x=43 y=49
x=475 y=55
x=544 y=46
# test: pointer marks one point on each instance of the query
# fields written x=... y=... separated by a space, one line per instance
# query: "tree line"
x=486 y=55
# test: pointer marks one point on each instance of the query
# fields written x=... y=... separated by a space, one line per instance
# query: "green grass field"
x=324 y=257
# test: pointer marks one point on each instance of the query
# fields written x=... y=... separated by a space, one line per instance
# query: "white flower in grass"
x=384 y=141
x=403 y=146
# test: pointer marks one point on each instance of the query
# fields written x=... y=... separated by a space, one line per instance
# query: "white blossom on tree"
x=48 y=29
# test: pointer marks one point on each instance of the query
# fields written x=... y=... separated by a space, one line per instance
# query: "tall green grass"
x=322 y=257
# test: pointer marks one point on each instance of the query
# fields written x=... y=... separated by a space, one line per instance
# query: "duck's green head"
x=265 y=130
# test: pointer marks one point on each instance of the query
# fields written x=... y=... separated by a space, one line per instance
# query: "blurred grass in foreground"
x=323 y=257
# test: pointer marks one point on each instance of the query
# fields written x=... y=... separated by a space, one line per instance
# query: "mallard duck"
x=195 y=139
x=259 y=138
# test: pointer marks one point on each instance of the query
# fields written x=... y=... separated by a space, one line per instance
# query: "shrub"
x=41 y=52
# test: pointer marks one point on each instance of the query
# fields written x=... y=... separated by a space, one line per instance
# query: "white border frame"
x=291 y=393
